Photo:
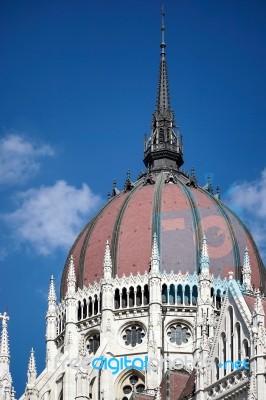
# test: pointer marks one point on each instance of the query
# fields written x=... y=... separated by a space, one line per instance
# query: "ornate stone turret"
x=246 y=271
x=107 y=323
x=32 y=371
x=258 y=349
x=51 y=329
x=155 y=258
x=163 y=149
x=205 y=321
x=4 y=347
x=71 y=336
x=6 y=389
x=154 y=374
x=31 y=391
x=107 y=263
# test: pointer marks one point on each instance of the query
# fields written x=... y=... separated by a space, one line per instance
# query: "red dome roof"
x=180 y=213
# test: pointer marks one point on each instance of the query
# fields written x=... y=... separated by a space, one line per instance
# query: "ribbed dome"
x=180 y=213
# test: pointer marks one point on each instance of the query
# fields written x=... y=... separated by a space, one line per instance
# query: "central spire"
x=163 y=149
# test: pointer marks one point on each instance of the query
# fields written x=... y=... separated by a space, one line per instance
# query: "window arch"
x=129 y=382
x=93 y=343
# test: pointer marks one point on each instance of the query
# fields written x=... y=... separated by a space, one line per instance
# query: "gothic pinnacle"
x=52 y=293
x=71 y=277
x=204 y=260
x=4 y=343
x=155 y=257
x=32 y=371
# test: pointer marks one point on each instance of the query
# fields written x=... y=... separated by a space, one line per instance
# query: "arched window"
x=194 y=295
x=131 y=297
x=223 y=348
x=90 y=306
x=91 y=388
x=218 y=299
x=217 y=370
x=93 y=343
x=79 y=311
x=172 y=294
x=187 y=294
x=238 y=341
x=117 y=299
x=230 y=334
x=164 y=293
x=139 y=296
x=133 y=382
x=179 y=297
x=124 y=297
x=146 y=295
x=84 y=313
x=246 y=349
x=96 y=304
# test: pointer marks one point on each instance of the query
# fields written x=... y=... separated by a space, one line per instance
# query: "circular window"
x=133 y=335
x=178 y=334
x=140 y=388
x=93 y=343
x=127 y=389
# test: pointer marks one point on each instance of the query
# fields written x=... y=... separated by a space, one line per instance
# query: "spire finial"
x=52 y=293
x=164 y=146
x=32 y=371
x=4 y=342
x=163 y=45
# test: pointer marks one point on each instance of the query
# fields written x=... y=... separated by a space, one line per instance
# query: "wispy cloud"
x=50 y=217
x=20 y=158
x=249 y=200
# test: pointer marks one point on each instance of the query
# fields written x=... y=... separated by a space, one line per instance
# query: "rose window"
x=178 y=334
x=133 y=335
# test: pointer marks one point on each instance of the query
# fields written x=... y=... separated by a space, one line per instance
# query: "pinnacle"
x=71 y=277
x=204 y=247
x=32 y=371
x=155 y=250
x=204 y=260
x=107 y=256
x=246 y=264
x=4 y=343
x=52 y=292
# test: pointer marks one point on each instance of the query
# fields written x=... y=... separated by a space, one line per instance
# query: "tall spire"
x=4 y=343
x=163 y=150
x=163 y=99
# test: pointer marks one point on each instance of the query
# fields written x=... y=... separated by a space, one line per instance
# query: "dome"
x=180 y=212
x=169 y=203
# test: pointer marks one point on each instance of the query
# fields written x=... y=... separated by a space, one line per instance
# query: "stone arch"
x=124 y=383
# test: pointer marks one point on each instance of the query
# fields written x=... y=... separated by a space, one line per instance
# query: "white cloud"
x=19 y=158
x=50 y=217
x=249 y=200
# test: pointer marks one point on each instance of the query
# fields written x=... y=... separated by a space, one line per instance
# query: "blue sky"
x=77 y=89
